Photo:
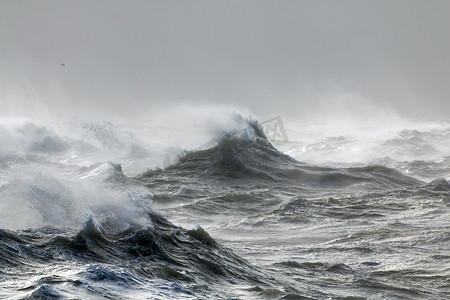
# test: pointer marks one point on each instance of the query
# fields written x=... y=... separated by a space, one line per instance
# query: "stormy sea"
x=300 y=210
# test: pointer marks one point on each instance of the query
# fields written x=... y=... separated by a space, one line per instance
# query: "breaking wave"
x=89 y=214
x=247 y=155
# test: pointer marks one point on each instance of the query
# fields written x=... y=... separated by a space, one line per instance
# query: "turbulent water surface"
x=88 y=214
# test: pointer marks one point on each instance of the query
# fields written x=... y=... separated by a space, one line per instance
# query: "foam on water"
x=359 y=142
x=49 y=179
x=259 y=223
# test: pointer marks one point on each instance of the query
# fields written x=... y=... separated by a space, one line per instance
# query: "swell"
x=248 y=157
x=161 y=251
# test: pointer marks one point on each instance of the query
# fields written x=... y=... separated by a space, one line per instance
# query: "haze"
x=298 y=59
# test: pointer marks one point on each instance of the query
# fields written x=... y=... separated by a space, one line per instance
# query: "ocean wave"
x=248 y=156
x=163 y=251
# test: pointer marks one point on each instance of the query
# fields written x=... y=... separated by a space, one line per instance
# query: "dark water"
x=272 y=227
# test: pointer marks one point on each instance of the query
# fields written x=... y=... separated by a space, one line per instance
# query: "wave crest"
x=248 y=155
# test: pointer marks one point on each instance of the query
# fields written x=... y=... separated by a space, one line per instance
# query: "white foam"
x=365 y=141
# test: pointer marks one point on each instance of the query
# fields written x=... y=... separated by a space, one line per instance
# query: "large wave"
x=247 y=155
x=158 y=252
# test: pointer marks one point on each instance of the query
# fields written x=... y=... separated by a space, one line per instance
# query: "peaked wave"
x=163 y=251
x=248 y=155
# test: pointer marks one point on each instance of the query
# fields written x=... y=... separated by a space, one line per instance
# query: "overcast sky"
x=289 y=58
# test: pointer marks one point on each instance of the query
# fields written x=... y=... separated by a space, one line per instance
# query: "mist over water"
x=157 y=209
x=141 y=156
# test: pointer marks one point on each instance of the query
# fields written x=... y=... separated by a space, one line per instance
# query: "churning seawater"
x=87 y=211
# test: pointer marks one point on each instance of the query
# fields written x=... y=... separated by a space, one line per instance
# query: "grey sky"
x=293 y=58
